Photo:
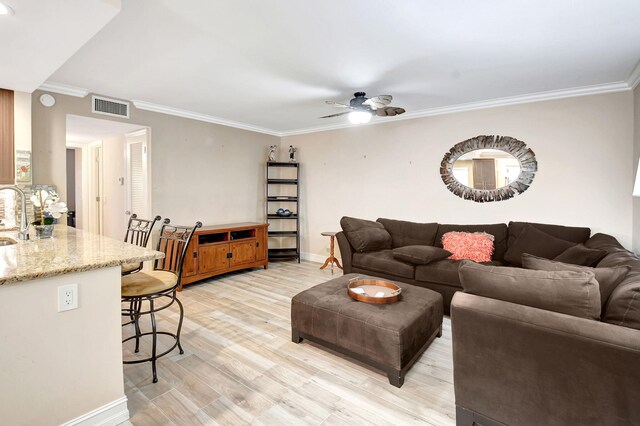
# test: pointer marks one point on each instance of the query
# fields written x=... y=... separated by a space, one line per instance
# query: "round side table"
x=331 y=259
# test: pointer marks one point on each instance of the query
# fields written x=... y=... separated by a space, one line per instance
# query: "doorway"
x=137 y=175
x=105 y=188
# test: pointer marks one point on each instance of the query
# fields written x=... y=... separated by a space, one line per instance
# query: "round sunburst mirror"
x=488 y=168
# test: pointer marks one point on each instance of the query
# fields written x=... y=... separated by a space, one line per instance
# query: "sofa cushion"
x=420 y=255
x=440 y=272
x=608 y=278
x=581 y=255
x=604 y=242
x=383 y=261
x=533 y=241
x=476 y=246
x=365 y=235
x=444 y=272
x=405 y=233
x=567 y=292
x=498 y=230
x=570 y=233
x=623 y=307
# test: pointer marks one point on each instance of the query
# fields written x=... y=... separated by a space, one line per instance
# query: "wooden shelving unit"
x=274 y=185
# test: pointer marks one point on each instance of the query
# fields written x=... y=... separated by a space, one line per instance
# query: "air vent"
x=111 y=107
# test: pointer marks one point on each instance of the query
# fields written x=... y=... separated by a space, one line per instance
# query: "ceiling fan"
x=361 y=108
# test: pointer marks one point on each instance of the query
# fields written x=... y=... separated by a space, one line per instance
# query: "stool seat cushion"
x=130 y=267
x=147 y=283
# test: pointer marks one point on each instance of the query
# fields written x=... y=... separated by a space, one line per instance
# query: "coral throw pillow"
x=476 y=246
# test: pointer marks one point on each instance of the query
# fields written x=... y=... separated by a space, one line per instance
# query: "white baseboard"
x=111 y=414
x=312 y=257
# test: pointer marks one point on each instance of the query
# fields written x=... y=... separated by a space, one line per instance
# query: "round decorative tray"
x=368 y=290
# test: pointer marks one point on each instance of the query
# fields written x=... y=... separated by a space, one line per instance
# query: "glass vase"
x=43 y=231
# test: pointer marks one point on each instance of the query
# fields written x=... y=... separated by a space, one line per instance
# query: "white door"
x=95 y=189
x=138 y=199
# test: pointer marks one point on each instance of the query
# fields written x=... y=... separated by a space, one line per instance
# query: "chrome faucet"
x=23 y=233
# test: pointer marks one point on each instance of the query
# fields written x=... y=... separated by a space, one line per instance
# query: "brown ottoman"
x=388 y=337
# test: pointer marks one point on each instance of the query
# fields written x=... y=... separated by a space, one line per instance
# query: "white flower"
x=49 y=202
x=56 y=208
x=38 y=196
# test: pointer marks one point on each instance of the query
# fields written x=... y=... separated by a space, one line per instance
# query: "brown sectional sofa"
x=527 y=353
x=516 y=364
x=441 y=276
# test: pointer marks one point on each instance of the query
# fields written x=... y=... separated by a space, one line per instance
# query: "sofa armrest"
x=346 y=252
x=516 y=364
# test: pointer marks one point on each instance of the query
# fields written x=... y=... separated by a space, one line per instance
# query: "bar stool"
x=138 y=233
x=155 y=287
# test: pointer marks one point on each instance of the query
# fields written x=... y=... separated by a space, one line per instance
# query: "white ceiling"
x=272 y=63
x=42 y=35
x=87 y=129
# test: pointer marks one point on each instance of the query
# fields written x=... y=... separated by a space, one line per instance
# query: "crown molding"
x=63 y=89
x=634 y=77
x=492 y=103
x=629 y=84
x=162 y=109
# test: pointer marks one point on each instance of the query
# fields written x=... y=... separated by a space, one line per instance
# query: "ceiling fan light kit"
x=361 y=109
x=359 y=117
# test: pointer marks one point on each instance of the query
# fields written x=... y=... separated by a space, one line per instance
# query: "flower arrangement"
x=47 y=206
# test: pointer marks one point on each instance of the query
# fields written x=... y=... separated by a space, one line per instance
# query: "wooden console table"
x=219 y=249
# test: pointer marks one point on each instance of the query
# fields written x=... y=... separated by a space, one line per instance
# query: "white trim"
x=312 y=257
x=492 y=103
x=140 y=132
x=63 y=89
x=162 y=109
x=618 y=86
x=111 y=414
x=634 y=77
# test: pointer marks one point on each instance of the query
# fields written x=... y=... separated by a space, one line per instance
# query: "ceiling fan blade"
x=379 y=101
x=337 y=104
x=389 y=111
x=336 y=115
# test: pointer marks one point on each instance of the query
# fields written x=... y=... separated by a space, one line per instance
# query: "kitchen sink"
x=4 y=241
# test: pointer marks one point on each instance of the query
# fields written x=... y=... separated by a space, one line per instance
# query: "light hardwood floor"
x=240 y=366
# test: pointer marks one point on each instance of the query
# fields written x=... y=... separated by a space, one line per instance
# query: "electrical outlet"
x=67 y=297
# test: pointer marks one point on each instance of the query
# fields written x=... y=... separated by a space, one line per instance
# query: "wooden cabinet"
x=261 y=243
x=215 y=250
x=242 y=252
x=213 y=258
x=7 y=169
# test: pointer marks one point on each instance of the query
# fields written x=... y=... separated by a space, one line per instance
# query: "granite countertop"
x=70 y=250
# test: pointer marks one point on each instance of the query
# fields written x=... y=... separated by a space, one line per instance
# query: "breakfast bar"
x=46 y=385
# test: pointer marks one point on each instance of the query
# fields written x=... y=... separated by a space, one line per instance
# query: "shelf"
x=288 y=236
x=282 y=233
x=282 y=253
x=281 y=164
x=282 y=181
x=282 y=199
x=275 y=216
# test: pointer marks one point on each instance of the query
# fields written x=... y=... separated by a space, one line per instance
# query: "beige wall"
x=636 y=155
x=583 y=147
x=58 y=366
x=200 y=171
x=215 y=174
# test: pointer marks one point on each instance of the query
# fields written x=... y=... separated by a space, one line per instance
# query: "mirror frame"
x=513 y=146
